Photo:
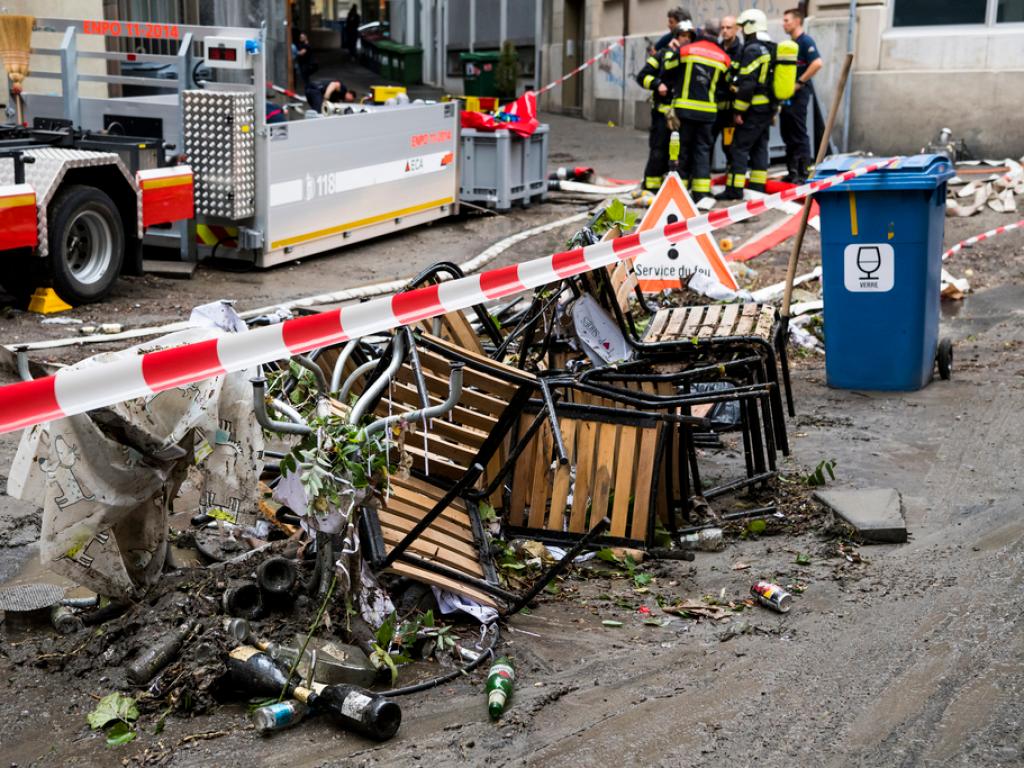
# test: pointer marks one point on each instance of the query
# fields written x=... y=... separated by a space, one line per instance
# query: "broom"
x=15 y=46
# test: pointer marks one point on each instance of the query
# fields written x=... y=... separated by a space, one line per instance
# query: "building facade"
x=920 y=64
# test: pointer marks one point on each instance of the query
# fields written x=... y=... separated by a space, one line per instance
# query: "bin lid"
x=479 y=56
x=910 y=172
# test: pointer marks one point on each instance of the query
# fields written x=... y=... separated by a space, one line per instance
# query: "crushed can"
x=772 y=596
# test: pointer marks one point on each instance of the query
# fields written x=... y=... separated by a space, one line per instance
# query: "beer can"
x=773 y=596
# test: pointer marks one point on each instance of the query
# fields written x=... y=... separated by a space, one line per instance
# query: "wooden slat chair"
x=614 y=456
x=429 y=525
x=738 y=366
x=749 y=328
x=657 y=385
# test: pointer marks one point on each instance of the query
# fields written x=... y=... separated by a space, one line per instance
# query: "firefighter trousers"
x=793 y=127
x=695 y=145
x=750 y=150
x=657 y=154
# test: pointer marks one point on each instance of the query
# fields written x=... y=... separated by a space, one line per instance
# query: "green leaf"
x=756 y=527
x=642 y=579
x=608 y=556
x=803 y=559
x=428 y=618
x=611 y=623
x=487 y=512
x=113 y=706
x=381 y=659
x=386 y=633
x=615 y=210
x=120 y=733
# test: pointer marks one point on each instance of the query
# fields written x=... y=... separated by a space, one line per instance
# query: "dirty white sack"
x=106 y=479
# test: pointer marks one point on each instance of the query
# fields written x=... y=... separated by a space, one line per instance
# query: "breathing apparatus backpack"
x=784 y=58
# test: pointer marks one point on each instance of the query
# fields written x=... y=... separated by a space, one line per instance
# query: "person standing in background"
x=753 y=107
x=729 y=41
x=675 y=16
x=793 y=120
x=302 y=56
x=352 y=22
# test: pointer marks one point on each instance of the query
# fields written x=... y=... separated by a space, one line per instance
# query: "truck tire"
x=86 y=243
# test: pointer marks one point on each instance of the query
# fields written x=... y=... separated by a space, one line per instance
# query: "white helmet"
x=752 y=20
x=684 y=26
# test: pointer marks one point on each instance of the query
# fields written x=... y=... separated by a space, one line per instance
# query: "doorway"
x=573 y=51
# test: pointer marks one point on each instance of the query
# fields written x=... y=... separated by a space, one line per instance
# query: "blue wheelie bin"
x=881 y=252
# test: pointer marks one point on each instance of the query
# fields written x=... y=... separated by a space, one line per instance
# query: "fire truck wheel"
x=86 y=243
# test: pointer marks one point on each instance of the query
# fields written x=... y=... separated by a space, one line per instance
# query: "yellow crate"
x=382 y=93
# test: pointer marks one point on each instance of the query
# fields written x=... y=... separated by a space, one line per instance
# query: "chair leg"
x=748 y=451
x=779 y=417
x=691 y=455
x=757 y=443
x=769 y=436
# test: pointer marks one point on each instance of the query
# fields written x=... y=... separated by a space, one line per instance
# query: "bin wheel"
x=944 y=357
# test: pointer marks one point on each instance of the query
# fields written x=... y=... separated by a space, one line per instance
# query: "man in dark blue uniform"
x=729 y=41
x=675 y=16
x=793 y=120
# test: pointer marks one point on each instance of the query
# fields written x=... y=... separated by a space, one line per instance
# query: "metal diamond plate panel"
x=220 y=143
x=47 y=172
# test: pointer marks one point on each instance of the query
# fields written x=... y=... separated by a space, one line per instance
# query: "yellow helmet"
x=752 y=20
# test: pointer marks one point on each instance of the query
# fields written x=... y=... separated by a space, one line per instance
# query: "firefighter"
x=660 y=75
x=702 y=66
x=753 y=106
x=793 y=118
x=730 y=42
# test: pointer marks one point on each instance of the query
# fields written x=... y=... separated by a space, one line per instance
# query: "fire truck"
x=89 y=178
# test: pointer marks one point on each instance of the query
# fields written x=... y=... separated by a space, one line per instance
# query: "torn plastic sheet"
x=802 y=337
x=450 y=602
x=106 y=479
x=718 y=292
x=374 y=603
x=724 y=414
x=289 y=491
x=954 y=287
x=600 y=336
x=559 y=553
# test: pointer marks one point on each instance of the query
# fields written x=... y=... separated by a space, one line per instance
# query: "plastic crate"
x=499 y=168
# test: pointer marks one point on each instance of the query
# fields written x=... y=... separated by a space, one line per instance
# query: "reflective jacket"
x=724 y=91
x=753 y=86
x=662 y=67
x=703 y=65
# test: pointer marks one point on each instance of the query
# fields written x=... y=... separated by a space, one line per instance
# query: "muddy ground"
x=912 y=657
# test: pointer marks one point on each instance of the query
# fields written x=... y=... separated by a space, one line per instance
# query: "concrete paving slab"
x=875 y=513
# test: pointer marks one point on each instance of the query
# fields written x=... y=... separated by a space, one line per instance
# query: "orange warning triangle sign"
x=672 y=265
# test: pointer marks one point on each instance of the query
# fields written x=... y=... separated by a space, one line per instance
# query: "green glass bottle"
x=499 y=686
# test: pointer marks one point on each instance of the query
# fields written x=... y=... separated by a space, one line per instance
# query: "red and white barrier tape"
x=589 y=62
x=77 y=390
x=983 y=236
x=286 y=92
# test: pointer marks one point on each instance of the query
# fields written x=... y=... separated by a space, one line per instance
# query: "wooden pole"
x=794 y=256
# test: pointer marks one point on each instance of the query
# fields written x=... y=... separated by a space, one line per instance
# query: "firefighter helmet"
x=752 y=20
